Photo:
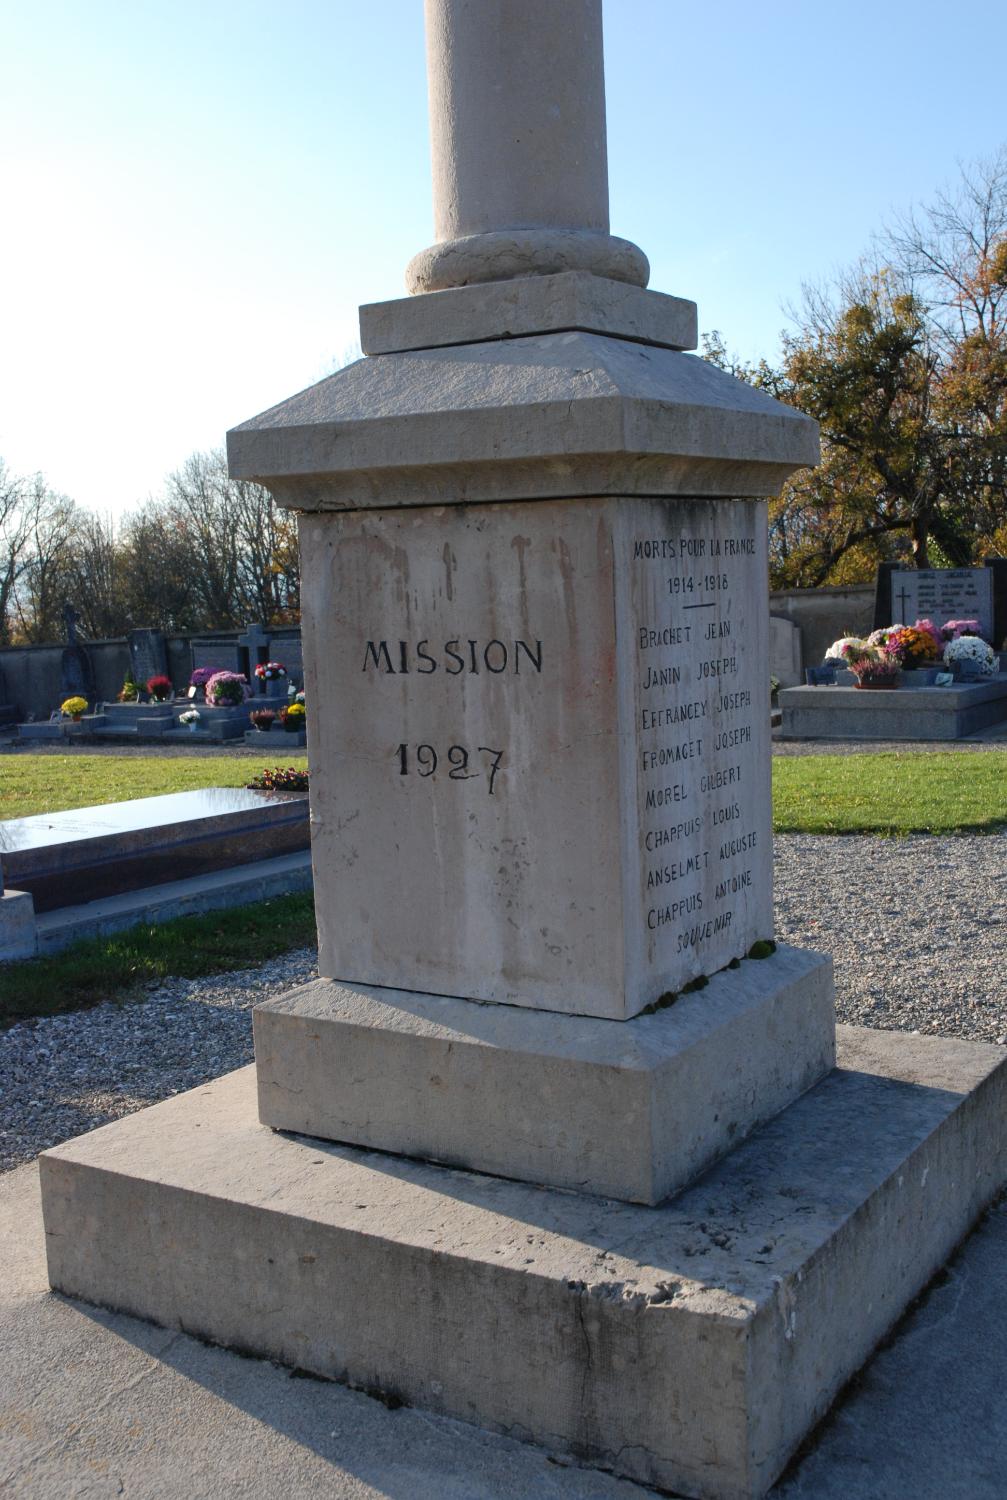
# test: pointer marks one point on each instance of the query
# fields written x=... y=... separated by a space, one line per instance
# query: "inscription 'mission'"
x=453 y=657
x=696 y=729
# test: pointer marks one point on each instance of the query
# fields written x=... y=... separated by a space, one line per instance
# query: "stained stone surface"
x=546 y=748
x=689 y=1346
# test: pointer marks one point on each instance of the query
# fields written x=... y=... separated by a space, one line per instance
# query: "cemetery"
x=539 y=1097
x=946 y=680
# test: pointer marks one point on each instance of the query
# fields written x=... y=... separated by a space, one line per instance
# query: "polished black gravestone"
x=67 y=858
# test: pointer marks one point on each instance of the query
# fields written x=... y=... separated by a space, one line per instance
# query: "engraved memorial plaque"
x=942 y=594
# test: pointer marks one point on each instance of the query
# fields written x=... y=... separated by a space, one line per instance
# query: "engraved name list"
x=701 y=736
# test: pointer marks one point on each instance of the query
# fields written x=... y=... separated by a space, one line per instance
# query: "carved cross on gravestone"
x=903 y=598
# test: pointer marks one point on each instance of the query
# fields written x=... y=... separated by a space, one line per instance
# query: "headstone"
x=222 y=656
x=148 y=655
x=785 y=659
x=942 y=594
x=905 y=595
x=287 y=649
x=76 y=670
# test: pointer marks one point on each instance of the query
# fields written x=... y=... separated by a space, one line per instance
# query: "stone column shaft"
x=517 y=125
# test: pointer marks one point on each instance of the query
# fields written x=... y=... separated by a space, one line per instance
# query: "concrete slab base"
x=259 y=881
x=690 y=1346
x=629 y=1109
x=915 y=713
x=17 y=926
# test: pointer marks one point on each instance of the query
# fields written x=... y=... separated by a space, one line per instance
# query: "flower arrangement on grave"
x=72 y=708
x=129 y=692
x=270 y=671
x=972 y=653
x=876 y=669
x=954 y=629
x=227 y=689
x=279 y=779
x=160 y=687
x=263 y=718
x=913 y=647
x=201 y=676
x=190 y=718
x=933 y=631
x=880 y=637
x=293 y=717
x=846 y=647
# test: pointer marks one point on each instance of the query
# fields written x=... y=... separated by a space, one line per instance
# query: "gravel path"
x=917 y=928
x=65 y=1075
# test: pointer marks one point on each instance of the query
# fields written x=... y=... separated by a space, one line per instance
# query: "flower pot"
x=888 y=683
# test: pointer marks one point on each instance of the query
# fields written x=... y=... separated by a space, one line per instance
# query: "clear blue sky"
x=196 y=196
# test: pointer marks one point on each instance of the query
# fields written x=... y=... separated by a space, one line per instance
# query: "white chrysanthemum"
x=845 y=647
x=971 y=648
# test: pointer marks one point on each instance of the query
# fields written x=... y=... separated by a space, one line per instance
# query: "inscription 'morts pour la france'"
x=701 y=737
x=453 y=657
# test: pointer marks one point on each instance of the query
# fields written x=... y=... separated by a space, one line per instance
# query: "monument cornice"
x=527 y=418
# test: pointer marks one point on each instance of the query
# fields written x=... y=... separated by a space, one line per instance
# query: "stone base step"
x=690 y=1346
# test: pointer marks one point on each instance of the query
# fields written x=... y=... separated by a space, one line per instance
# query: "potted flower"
x=263 y=718
x=293 y=717
x=970 y=658
x=268 y=672
x=227 y=689
x=72 y=708
x=198 y=680
x=129 y=692
x=913 y=647
x=843 y=650
x=876 y=669
x=951 y=630
x=279 y=779
x=190 y=718
x=160 y=687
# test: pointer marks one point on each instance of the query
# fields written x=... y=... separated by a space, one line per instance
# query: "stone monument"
x=76 y=670
x=148 y=655
x=555 y=1094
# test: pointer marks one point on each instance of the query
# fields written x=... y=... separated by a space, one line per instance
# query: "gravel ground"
x=917 y=928
x=65 y=1075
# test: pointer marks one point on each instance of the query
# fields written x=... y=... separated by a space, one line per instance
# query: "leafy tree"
x=903 y=361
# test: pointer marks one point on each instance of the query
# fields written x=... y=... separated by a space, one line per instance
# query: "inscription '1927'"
x=453 y=657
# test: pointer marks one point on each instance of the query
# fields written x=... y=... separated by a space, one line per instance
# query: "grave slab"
x=914 y=713
x=630 y=1109
x=689 y=1346
x=64 y=858
x=259 y=880
x=18 y=937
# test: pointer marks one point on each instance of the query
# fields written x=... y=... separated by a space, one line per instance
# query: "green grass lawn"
x=939 y=792
x=944 y=791
x=190 y=947
x=50 y=783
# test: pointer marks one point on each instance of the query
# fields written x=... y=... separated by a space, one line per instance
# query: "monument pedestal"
x=628 y=1109
x=689 y=1346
